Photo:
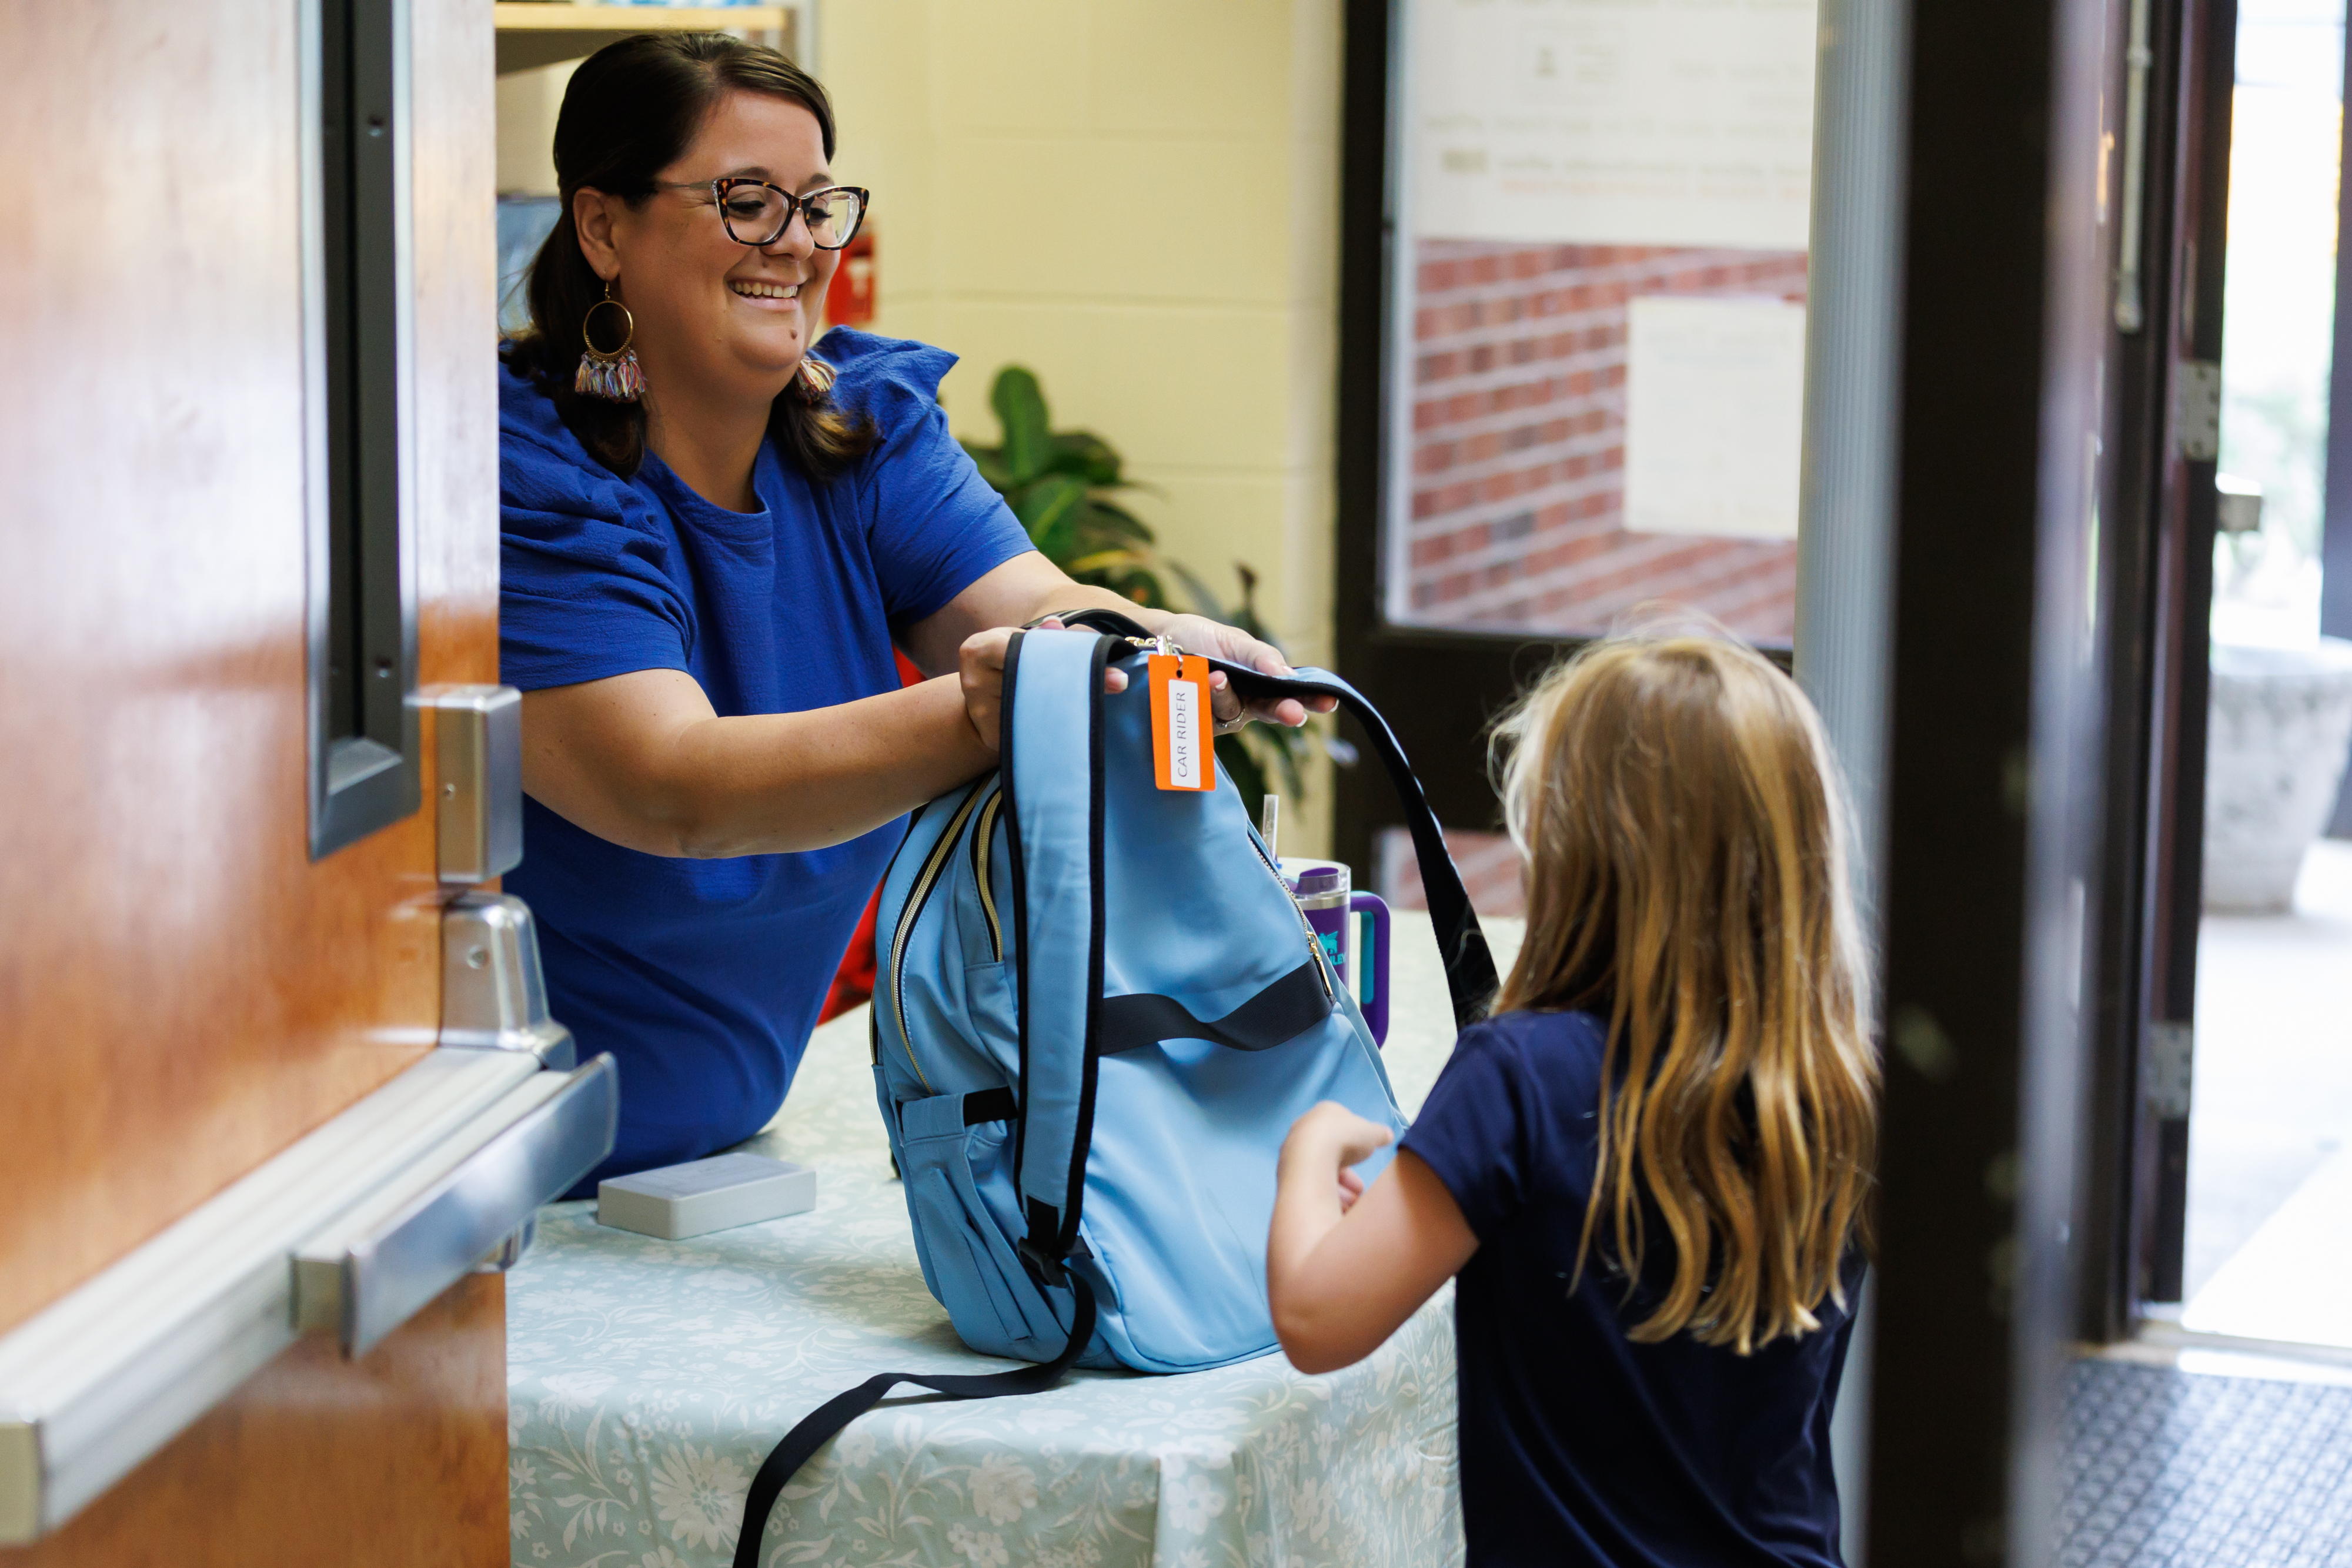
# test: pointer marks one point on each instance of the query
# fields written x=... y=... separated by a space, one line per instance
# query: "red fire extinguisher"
x=849 y=302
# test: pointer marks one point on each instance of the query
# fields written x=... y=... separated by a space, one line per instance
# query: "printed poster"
x=1652 y=122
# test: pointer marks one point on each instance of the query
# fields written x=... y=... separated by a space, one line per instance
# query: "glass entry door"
x=1590 y=224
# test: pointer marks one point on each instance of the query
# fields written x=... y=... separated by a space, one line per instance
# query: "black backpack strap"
x=1470 y=976
x=821 y=1424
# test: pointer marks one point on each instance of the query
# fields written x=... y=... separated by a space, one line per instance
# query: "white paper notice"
x=1715 y=416
x=1184 y=733
x=1678 y=123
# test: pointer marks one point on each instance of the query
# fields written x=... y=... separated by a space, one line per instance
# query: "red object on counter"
x=854 y=982
x=849 y=300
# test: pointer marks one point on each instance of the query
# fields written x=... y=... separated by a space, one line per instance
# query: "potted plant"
x=1063 y=487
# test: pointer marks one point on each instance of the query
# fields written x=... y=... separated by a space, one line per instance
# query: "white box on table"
x=702 y=1196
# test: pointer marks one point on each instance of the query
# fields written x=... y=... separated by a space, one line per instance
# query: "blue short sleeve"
x=585 y=588
x=1476 y=1130
x=934 y=526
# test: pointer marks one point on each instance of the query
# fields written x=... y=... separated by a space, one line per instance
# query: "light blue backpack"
x=1097 y=1012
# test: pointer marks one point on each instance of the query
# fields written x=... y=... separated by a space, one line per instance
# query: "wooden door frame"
x=2157 y=564
x=190 y=991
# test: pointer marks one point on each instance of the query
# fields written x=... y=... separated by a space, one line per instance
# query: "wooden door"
x=184 y=989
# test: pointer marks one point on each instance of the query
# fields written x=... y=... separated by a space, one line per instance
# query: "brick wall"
x=1518 y=443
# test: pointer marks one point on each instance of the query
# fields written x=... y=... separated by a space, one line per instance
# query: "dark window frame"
x=1440 y=689
x=361 y=630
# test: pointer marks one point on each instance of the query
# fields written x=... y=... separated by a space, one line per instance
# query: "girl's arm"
x=1343 y=1272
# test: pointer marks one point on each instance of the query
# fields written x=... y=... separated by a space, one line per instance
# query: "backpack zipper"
x=1314 y=943
x=925 y=879
x=981 y=837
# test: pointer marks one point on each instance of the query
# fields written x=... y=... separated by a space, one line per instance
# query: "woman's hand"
x=975 y=623
x=1199 y=635
x=980 y=669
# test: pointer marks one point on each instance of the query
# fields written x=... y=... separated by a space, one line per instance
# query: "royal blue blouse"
x=704 y=977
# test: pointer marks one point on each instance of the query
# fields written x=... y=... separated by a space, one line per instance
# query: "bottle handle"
x=1374 y=981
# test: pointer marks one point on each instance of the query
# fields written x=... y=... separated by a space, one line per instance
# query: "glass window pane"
x=1597 y=326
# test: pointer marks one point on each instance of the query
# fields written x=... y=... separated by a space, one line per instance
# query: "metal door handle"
x=477 y=746
x=493 y=992
x=369 y=1272
x=463 y=1146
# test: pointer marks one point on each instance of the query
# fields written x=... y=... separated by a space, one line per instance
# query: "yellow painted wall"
x=1139 y=201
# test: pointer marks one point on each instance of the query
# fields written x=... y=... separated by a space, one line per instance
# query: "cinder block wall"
x=1140 y=204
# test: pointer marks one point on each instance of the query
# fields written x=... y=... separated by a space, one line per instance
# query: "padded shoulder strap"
x=1470 y=976
x=1051 y=759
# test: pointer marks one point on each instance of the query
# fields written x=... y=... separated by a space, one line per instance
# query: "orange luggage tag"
x=1183 y=753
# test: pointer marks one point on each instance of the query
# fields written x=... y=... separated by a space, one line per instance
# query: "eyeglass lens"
x=757 y=214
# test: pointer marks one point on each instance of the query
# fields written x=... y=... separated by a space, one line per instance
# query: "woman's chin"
x=769 y=358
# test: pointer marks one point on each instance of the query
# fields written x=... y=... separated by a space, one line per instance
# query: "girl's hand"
x=1352 y=1187
x=979 y=670
x=1199 y=635
x=1332 y=1133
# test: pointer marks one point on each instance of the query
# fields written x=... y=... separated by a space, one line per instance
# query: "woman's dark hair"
x=629 y=112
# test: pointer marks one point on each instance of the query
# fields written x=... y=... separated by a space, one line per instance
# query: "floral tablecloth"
x=647 y=1379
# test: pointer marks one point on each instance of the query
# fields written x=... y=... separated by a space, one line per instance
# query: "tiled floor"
x=2174 y=1466
x=2168 y=1469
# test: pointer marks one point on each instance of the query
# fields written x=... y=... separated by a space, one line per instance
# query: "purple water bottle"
x=1336 y=913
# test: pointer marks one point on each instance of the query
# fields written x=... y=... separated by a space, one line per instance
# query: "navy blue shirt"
x=1578 y=1446
x=704 y=977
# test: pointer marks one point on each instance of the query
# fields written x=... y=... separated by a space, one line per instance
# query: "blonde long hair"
x=1685 y=833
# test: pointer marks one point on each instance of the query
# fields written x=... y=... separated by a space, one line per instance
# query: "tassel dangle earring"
x=614 y=375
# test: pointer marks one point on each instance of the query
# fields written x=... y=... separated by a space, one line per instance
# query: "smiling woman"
x=711 y=542
x=681 y=265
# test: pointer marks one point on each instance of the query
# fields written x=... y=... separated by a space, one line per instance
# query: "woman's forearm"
x=641 y=760
x=772 y=782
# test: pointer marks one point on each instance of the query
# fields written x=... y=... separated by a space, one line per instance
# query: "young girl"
x=1649 y=1168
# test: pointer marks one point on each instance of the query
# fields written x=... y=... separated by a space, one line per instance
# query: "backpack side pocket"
x=967 y=1262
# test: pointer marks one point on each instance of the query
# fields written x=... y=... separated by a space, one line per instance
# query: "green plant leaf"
x=1020 y=405
x=1204 y=599
x=1115 y=521
x=1103 y=560
x=1290 y=749
x=1052 y=480
x=1086 y=455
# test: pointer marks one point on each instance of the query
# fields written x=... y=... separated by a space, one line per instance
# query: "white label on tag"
x=1184 y=733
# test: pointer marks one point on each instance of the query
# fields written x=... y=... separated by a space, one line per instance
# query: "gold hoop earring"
x=614 y=375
